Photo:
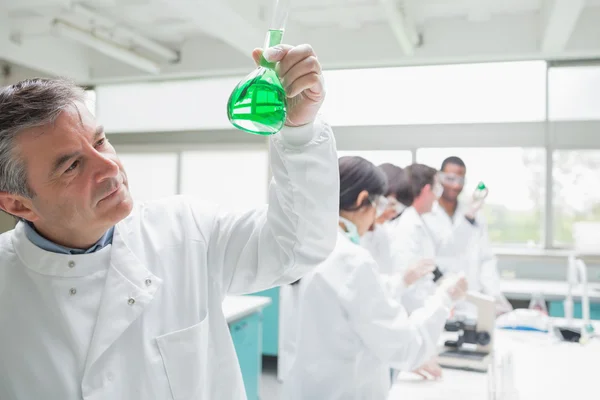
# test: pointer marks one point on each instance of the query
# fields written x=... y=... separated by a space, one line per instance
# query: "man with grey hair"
x=104 y=299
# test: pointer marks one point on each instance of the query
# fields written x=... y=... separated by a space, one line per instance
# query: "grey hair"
x=28 y=104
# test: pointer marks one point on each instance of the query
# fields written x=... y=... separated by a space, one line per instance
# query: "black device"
x=437 y=274
x=568 y=334
x=468 y=333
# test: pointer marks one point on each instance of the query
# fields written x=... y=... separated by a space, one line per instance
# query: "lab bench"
x=244 y=314
x=554 y=293
x=270 y=338
x=544 y=369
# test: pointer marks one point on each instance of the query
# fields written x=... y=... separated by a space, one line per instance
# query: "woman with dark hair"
x=350 y=330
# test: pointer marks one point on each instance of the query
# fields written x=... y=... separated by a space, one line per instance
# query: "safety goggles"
x=380 y=203
x=437 y=189
x=451 y=179
x=396 y=205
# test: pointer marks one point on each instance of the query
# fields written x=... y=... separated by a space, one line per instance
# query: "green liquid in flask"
x=258 y=103
x=481 y=191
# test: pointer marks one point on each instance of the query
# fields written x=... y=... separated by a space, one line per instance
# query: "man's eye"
x=100 y=142
x=73 y=166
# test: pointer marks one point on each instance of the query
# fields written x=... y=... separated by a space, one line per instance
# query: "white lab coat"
x=379 y=243
x=471 y=253
x=351 y=332
x=411 y=241
x=289 y=297
x=142 y=318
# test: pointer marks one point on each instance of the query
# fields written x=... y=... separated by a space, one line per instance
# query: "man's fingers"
x=256 y=56
x=421 y=374
x=277 y=53
x=311 y=81
x=304 y=67
x=293 y=56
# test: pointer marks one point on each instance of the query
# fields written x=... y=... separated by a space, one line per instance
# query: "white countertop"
x=522 y=289
x=545 y=369
x=237 y=307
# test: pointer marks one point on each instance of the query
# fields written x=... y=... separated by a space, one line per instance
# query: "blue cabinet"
x=270 y=333
x=556 y=309
x=246 y=334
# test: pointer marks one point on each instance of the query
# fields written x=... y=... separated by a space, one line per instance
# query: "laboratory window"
x=437 y=94
x=514 y=209
x=574 y=93
x=235 y=179
x=151 y=175
x=576 y=191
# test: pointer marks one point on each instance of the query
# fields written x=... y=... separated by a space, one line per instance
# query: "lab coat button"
x=148 y=282
x=131 y=301
x=71 y=264
x=73 y=291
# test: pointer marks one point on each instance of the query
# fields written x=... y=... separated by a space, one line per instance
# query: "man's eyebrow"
x=62 y=160
x=99 y=132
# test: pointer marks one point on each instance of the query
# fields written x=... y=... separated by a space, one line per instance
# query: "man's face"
x=453 y=180
x=79 y=183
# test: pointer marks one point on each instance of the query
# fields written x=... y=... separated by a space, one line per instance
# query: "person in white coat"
x=411 y=241
x=400 y=282
x=379 y=239
x=473 y=256
x=351 y=332
x=104 y=299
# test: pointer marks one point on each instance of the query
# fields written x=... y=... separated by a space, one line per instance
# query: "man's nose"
x=106 y=168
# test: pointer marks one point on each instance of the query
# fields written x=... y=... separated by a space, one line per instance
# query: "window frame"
x=549 y=135
x=178 y=148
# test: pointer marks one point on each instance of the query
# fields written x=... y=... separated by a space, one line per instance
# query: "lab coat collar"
x=343 y=235
x=460 y=211
x=129 y=288
x=56 y=264
x=411 y=213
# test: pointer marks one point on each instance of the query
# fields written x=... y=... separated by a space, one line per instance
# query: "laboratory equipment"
x=501 y=378
x=481 y=191
x=523 y=319
x=258 y=103
x=538 y=303
x=576 y=273
x=472 y=350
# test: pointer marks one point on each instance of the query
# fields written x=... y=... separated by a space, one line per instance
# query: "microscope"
x=473 y=348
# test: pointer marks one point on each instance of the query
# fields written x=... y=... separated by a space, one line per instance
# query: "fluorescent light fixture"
x=105 y=47
x=150 y=45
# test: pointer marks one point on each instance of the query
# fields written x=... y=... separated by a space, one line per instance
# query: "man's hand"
x=430 y=370
x=455 y=286
x=474 y=208
x=418 y=270
x=301 y=77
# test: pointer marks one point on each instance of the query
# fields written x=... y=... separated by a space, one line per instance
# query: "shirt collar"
x=45 y=244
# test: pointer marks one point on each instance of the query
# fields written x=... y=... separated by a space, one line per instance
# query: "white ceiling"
x=166 y=39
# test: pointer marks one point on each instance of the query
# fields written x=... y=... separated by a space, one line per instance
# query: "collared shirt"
x=45 y=244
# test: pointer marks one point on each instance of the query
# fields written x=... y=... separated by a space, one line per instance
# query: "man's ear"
x=17 y=206
x=426 y=188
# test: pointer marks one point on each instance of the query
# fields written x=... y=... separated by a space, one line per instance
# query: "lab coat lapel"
x=128 y=290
